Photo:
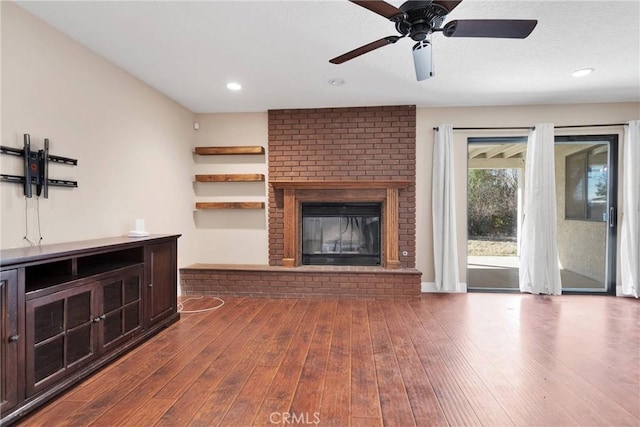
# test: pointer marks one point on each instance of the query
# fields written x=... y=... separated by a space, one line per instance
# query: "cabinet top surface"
x=27 y=254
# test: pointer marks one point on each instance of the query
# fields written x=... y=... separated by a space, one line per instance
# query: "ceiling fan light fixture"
x=583 y=72
x=234 y=86
x=423 y=60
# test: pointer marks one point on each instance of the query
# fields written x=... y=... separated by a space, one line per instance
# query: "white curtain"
x=630 y=232
x=444 y=212
x=539 y=262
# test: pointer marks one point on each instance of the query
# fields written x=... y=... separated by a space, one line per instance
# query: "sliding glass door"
x=586 y=212
x=494 y=211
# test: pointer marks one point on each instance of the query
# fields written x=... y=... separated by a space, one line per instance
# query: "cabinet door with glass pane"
x=60 y=335
x=120 y=307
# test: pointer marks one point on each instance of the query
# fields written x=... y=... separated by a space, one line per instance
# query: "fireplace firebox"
x=341 y=234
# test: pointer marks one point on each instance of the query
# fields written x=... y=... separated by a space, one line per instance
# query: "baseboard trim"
x=430 y=287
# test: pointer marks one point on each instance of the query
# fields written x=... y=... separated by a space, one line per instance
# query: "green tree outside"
x=492 y=202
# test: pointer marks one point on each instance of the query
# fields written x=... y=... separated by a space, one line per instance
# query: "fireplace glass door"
x=341 y=234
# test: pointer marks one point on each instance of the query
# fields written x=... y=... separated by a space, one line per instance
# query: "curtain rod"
x=533 y=127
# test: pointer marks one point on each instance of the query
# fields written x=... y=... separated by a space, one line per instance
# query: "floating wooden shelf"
x=240 y=177
x=230 y=205
x=229 y=150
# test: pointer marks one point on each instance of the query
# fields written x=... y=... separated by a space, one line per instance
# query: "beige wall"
x=132 y=143
x=235 y=235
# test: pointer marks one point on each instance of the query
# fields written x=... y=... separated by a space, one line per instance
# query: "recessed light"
x=234 y=86
x=336 y=82
x=583 y=72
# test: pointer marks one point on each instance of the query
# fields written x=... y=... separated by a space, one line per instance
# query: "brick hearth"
x=301 y=282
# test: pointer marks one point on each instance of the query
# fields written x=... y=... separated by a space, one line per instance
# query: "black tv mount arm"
x=36 y=168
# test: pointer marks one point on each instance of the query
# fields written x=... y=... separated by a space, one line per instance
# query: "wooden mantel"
x=339 y=185
x=382 y=191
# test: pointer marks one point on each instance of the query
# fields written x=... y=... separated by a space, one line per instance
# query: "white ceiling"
x=279 y=51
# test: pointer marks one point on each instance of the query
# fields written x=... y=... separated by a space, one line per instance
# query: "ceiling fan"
x=419 y=19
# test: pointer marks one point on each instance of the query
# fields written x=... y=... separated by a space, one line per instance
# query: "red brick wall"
x=280 y=282
x=360 y=143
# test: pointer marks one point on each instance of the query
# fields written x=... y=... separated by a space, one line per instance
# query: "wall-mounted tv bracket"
x=36 y=168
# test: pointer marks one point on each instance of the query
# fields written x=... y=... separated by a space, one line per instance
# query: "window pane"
x=78 y=343
x=131 y=317
x=575 y=195
x=131 y=289
x=78 y=309
x=112 y=296
x=113 y=326
x=597 y=178
x=49 y=358
x=48 y=320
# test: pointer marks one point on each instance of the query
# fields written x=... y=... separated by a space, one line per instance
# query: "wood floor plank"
x=394 y=399
x=223 y=396
x=147 y=414
x=454 y=403
x=246 y=404
x=183 y=372
x=365 y=400
x=424 y=402
x=286 y=380
x=620 y=384
x=188 y=329
x=336 y=402
x=245 y=407
x=55 y=411
x=308 y=395
x=339 y=363
x=276 y=349
x=446 y=359
x=336 y=397
x=271 y=412
x=223 y=353
x=202 y=332
x=583 y=402
x=468 y=373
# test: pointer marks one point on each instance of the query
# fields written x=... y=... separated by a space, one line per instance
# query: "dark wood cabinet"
x=161 y=290
x=10 y=340
x=69 y=309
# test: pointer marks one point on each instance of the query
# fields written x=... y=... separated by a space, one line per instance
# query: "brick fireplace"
x=331 y=155
x=337 y=154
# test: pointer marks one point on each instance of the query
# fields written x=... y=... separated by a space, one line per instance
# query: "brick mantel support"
x=297 y=192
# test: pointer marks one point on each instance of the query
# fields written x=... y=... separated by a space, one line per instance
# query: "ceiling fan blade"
x=497 y=28
x=449 y=5
x=381 y=8
x=364 y=49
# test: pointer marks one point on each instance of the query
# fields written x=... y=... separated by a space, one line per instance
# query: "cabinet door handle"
x=99 y=318
x=150 y=285
x=14 y=338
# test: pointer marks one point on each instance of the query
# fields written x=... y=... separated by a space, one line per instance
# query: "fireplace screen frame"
x=284 y=213
x=333 y=222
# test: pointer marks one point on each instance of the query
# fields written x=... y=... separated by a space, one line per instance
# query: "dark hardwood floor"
x=462 y=359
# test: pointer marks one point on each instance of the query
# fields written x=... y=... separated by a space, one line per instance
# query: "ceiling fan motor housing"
x=421 y=17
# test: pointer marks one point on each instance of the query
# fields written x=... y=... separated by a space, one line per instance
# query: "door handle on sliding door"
x=612 y=216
